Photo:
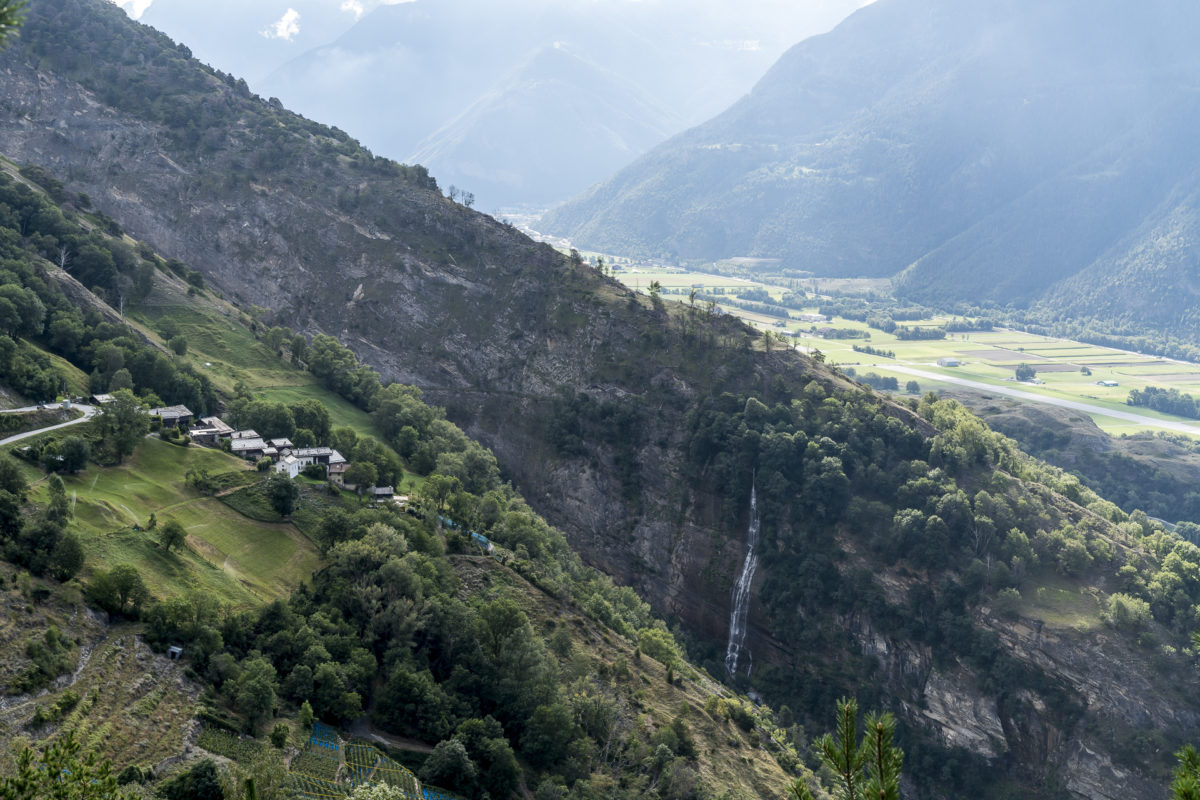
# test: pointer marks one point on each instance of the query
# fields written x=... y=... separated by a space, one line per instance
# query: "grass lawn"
x=221 y=345
x=343 y=413
x=1061 y=603
x=240 y=560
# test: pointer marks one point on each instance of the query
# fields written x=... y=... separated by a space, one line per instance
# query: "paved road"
x=1030 y=397
x=88 y=413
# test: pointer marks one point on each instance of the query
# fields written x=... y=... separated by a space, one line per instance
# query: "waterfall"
x=740 y=598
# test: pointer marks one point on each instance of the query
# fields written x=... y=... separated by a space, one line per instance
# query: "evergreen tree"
x=10 y=18
x=867 y=769
x=1186 y=785
x=59 y=507
x=61 y=771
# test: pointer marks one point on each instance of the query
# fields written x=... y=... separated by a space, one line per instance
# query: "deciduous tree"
x=172 y=535
x=282 y=492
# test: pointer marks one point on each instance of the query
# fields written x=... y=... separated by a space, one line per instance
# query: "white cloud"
x=396 y=2
x=286 y=27
x=134 y=8
x=353 y=6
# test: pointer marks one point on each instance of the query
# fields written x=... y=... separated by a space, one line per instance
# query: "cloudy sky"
x=250 y=38
x=404 y=80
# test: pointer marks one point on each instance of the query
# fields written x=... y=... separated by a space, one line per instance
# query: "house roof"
x=171 y=411
x=387 y=490
x=217 y=424
x=247 y=444
x=316 y=452
x=281 y=443
x=309 y=452
x=205 y=432
x=340 y=466
x=246 y=434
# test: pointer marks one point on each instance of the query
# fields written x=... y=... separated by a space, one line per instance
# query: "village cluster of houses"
x=248 y=444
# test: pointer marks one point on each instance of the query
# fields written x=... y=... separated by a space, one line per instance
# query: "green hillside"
x=241 y=564
x=906 y=553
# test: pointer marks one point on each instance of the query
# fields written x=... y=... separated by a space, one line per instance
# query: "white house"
x=289 y=465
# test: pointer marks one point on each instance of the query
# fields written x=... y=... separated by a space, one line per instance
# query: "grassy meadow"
x=230 y=556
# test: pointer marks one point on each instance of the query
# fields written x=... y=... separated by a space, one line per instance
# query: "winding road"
x=88 y=413
x=1030 y=397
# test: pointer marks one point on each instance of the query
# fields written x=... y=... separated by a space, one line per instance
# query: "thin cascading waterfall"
x=740 y=598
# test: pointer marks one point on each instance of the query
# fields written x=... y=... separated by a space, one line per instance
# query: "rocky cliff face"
x=580 y=387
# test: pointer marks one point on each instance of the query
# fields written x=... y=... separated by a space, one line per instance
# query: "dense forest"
x=963 y=508
x=35 y=234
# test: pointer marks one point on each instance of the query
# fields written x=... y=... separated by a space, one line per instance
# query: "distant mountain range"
x=526 y=134
x=1003 y=152
x=473 y=87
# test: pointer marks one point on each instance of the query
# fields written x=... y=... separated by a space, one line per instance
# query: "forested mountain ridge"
x=642 y=429
x=527 y=665
x=996 y=153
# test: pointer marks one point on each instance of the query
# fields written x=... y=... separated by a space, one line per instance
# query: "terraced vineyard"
x=329 y=767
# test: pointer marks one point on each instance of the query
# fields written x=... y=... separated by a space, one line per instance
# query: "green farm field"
x=985 y=358
x=229 y=556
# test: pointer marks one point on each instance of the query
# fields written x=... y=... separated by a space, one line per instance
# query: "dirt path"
x=363 y=730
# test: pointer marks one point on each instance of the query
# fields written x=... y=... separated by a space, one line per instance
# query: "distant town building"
x=381 y=494
x=948 y=362
x=1109 y=384
x=318 y=455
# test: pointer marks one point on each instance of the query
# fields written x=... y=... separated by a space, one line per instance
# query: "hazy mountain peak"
x=1022 y=141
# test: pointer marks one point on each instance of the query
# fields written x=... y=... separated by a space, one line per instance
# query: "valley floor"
x=1030 y=397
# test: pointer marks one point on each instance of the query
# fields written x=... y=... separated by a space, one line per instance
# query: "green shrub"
x=1126 y=612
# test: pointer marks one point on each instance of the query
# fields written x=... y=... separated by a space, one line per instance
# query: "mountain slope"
x=439 y=603
x=555 y=125
x=642 y=430
x=988 y=149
